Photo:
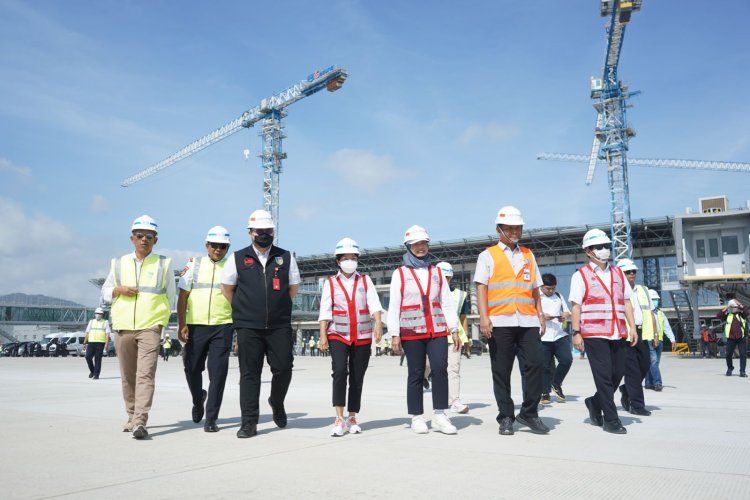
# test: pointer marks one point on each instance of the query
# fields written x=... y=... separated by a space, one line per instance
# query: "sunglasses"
x=630 y=272
x=264 y=231
x=148 y=236
x=220 y=246
x=599 y=247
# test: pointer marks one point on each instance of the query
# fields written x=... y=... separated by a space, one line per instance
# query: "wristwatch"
x=576 y=332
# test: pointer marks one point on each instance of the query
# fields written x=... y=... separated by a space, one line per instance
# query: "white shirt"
x=109 y=283
x=578 y=289
x=483 y=273
x=446 y=302
x=554 y=305
x=326 y=302
x=186 y=277
x=637 y=311
x=229 y=275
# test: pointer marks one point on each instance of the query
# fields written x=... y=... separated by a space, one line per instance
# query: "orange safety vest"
x=508 y=292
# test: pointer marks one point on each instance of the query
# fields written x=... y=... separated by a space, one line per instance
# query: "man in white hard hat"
x=260 y=281
x=510 y=311
x=141 y=288
x=735 y=316
x=637 y=359
x=602 y=321
x=96 y=342
x=656 y=344
x=204 y=318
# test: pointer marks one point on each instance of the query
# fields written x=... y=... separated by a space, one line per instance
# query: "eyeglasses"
x=148 y=236
x=264 y=231
x=220 y=246
x=599 y=247
x=630 y=272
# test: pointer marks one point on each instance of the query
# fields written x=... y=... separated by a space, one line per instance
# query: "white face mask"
x=348 y=266
x=602 y=254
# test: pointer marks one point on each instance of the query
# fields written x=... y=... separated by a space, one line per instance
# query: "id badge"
x=526 y=274
x=276 y=283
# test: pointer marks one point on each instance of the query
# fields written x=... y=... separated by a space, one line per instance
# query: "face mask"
x=348 y=266
x=602 y=254
x=655 y=303
x=263 y=240
x=512 y=240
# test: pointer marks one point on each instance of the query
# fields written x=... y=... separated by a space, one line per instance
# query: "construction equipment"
x=724 y=166
x=269 y=112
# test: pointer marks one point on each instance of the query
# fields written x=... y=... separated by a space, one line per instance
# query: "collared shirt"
x=554 y=305
x=665 y=323
x=229 y=275
x=578 y=289
x=109 y=283
x=485 y=269
x=186 y=277
x=326 y=301
x=446 y=302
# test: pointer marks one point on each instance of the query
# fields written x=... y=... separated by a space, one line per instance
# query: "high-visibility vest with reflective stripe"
x=644 y=301
x=167 y=343
x=728 y=325
x=421 y=313
x=350 y=322
x=660 y=319
x=508 y=292
x=97 y=330
x=602 y=310
x=150 y=306
x=459 y=296
x=206 y=305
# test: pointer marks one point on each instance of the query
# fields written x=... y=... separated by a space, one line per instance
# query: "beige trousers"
x=454 y=374
x=138 y=353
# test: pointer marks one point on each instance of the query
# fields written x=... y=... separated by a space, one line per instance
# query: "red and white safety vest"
x=602 y=310
x=421 y=314
x=351 y=321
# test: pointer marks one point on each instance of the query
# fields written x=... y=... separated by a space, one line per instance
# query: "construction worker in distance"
x=141 y=288
x=348 y=305
x=736 y=316
x=637 y=359
x=656 y=344
x=204 y=318
x=166 y=347
x=96 y=342
x=556 y=341
x=511 y=318
x=417 y=324
x=454 y=350
x=260 y=281
x=602 y=321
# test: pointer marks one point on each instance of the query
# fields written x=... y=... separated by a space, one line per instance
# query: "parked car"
x=478 y=347
x=74 y=342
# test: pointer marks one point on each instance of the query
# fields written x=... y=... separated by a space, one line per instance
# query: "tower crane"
x=269 y=112
x=724 y=166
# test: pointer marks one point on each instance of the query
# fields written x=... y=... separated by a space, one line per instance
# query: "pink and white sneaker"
x=352 y=426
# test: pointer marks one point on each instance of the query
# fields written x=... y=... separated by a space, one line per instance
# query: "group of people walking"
x=250 y=292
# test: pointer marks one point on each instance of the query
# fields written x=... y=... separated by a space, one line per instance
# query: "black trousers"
x=212 y=342
x=607 y=362
x=504 y=344
x=348 y=362
x=416 y=353
x=637 y=365
x=94 y=351
x=560 y=350
x=254 y=346
x=741 y=344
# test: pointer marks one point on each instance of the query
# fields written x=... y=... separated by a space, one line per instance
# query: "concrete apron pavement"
x=60 y=436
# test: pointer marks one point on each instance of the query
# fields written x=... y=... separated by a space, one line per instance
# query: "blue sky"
x=438 y=124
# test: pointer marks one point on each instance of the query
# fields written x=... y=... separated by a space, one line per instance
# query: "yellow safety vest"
x=647 y=327
x=728 y=325
x=167 y=343
x=97 y=330
x=206 y=305
x=148 y=308
x=459 y=296
x=660 y=319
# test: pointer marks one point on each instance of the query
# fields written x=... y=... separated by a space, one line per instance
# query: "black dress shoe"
x=639 y=411
x=614 y=427
x=210 y=426
x=279 y=415
x=247 y=431
x=657 y=387
x=534 y=423
x=729 y=372
x=91 y=375
x=595 y=415
x=96 y=377
x=624 y=399
x=506 y=426
x=743 y=375
x=199 y=410
x=649 y=386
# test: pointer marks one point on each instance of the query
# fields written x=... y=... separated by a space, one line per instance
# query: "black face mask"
x=263 y=240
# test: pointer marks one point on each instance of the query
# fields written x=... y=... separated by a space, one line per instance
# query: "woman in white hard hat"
x=348 y=302
x=416 y=322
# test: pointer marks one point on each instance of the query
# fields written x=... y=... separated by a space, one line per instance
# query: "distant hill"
x=22 y=299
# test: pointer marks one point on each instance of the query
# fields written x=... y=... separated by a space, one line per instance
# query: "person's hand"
x=378 y=332
x=183 y=332
x=323 y=345
x=396 y=345
x=578 y=342
x=633 y=337
x=656 y=342
x=542 y=328
x=456 y=342
x=128 y=291
x=485 y=326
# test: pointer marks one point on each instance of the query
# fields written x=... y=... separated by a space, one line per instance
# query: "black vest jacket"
x=256 y=304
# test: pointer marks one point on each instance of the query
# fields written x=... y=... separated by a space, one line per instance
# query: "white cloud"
x=489 y=132
x=16 y=170
x=364 y=170
x=305 y=212
x=99 y=204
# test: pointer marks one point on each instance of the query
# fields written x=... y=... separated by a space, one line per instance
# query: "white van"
x=46 y=341
x=74 y=342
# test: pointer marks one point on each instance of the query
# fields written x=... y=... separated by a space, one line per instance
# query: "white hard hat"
x=510 y=216
x=653 y=294
x=446 y=268
x=347 y=245
x=734 y=302
x=627 y=265
x=260 y=219
x=98 y=310
x=144 y=222
x=595 y=237
x=218 y=234
x=415 y=234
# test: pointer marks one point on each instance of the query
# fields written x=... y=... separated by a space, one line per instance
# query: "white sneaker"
x=441 y=422
x=338 y=428
x=459 y=407
x=352 y=426
x=418 y=425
